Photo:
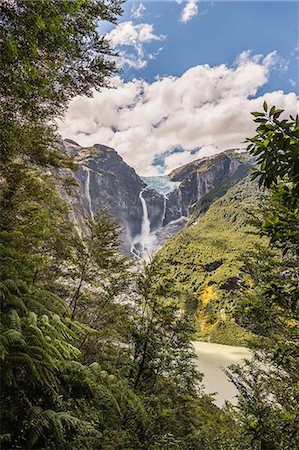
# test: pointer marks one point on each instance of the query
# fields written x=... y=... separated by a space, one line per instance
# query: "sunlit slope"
x=205 y=261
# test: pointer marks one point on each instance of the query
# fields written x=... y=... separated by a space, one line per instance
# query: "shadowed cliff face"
x=105 y=181
x=202 y=177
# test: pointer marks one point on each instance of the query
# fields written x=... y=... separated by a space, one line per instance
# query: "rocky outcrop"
x=202 y=177
x=105 y=181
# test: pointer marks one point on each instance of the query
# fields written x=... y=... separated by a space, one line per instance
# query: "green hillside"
x=204 y=258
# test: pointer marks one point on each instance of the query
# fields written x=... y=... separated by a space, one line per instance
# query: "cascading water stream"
x=87 y=193
x=164 y=211
x=180 y=201
x=145 y=235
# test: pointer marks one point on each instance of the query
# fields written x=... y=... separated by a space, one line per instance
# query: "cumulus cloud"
x=204 y=111
x=137 y=11
x=127 y=35
x=190 y=10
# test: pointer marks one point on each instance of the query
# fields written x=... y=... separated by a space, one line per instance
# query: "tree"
x=268 y=386
x=163 y=367
x=51 y=51
x=276 y=148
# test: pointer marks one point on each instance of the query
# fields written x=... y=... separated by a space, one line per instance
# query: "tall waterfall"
x=87 y=193
x=164 y=210
x=145 y=236
x=180 y=201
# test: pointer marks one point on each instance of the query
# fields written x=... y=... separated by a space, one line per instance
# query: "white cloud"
x=137 y=11
x=190 y=10
x=293 y=83
x=134 y=36
x=295 y=52
x=206 y=107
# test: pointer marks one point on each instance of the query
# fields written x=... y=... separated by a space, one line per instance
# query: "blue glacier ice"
x=161 y=184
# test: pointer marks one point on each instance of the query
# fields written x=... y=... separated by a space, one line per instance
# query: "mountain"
x=196 y=216
x=105 y=181
x=149 y=210
x=204 y=259
x=199 y=183
x=204 y=176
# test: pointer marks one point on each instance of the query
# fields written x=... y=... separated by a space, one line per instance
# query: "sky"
x=191 y=73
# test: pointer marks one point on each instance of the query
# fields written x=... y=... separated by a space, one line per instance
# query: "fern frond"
x=55 y=423
x=11 y=337
x=14 y=319
x=67 y=350
x=3 y=351
x=4 y=291
x=34 y=412
x=14 y=301
x=32 y=318
x=11 y=287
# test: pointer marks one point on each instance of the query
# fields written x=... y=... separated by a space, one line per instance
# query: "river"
x=212 y=358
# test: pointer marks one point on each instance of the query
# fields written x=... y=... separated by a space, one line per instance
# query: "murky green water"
x=212 y=358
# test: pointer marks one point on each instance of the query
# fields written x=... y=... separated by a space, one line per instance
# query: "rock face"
x=148 y=218
x=202 y=177
x=105 y=181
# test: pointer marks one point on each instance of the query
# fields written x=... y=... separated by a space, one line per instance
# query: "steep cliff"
x=202 y=177
x=149 y=210
x=105 y=181
x=203 y=221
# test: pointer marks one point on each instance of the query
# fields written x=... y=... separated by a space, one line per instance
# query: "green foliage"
x=272 y=302
x=92 y=356
x=52 y=51
x=158 y=309
x=276 y=147
x=205 y=259
x=269 y=385
x=229 y=332
x=267 y=405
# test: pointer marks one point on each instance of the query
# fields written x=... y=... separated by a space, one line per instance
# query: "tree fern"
x=42 y=423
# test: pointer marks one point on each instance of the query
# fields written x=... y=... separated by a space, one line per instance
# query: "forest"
x=96 y=353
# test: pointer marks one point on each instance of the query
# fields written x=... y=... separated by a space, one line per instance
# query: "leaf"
x=265 y=106
x=257 y=114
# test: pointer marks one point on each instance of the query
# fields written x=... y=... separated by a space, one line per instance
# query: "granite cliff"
x=203 y=177
x=105 y=181
x=148 y=218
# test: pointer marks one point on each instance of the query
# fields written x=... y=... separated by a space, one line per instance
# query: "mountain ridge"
x=105 y=181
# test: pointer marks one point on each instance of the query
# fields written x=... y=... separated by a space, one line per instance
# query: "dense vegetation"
x=269 y=386
x=265 y=301
x=93 y=354
x=205 y=260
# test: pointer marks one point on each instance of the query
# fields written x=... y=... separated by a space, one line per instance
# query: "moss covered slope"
x=205 y=261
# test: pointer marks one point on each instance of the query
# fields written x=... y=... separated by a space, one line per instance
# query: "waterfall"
x=133 y=250
x=164 y=210
x=180 y=200
x=145 y=235
x=87 y=193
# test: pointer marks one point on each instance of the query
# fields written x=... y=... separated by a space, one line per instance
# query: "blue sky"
x=218 y=34
x=192 y=72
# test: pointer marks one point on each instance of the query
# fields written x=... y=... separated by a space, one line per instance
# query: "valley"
x=123 y=295
x=194 y=220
